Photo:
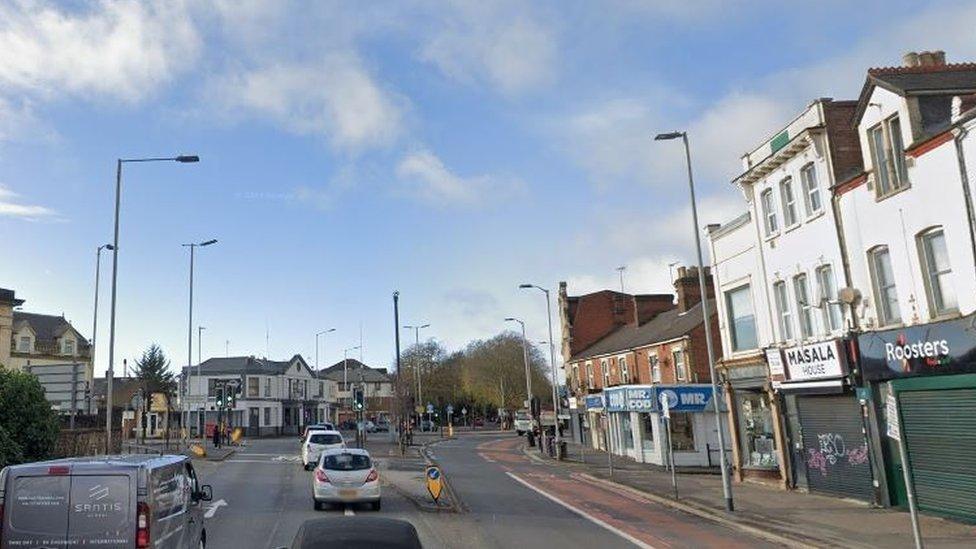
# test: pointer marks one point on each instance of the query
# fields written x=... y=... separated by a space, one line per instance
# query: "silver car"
x=318 y=441
x=347 y=475
x=111 y=502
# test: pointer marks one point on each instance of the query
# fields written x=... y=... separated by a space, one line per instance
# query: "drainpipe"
x=959 y=134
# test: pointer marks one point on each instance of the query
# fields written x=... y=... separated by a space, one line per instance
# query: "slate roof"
x=243 y=365
x=666 y=326
x=370 y=375
x=47 y=328
x=948 y=79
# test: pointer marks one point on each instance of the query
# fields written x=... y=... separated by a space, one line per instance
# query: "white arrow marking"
x=212 y=510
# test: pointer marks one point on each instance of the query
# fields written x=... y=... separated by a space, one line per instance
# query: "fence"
x=83 y=442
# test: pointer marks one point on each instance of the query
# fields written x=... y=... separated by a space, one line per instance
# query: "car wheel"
x=317 y=504
x=376 y=505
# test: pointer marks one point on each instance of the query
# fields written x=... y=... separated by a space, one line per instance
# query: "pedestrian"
x=216 y=436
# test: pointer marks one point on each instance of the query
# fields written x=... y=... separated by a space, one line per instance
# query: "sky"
x=447 y=150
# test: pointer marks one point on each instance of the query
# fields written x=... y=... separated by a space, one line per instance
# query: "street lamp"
x=115 y=278
x=345 y=368
x=98 y=268
x=417 y=366
x=330 y=330
x=189 y=341
x=552 y=363
x=525 y=358
x=726 y=481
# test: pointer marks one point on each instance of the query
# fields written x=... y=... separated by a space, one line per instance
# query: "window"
x=769 y=212
x=378 y=386
x=655 y=367
x=742 y=319
x=253 y=388
x=756 y=433
x=829 y=305
x=267 y=417
x=682 y=431
x=884 y=286
x=803 y=310
x=789 y=201
x=605 y=366
x=811 y=189
x=68 y=347
x=624 y=373
x=267 y=387
x=888 y=156
x=783 y=311
x=589 y=375
x=321 y=391
x=24 y=344
x=678 y=356
x=938 y=272
x=576 y=377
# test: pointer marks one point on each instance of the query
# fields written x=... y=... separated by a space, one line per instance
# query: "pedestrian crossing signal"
x=359 y=400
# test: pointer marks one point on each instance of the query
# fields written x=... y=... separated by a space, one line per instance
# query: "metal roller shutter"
x=834 y=447
x=940 y=434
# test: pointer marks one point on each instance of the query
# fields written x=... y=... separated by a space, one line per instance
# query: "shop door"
x=939 y=427
x=835 y=451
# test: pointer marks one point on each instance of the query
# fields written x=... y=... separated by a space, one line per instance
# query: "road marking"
x=348 y=512
x=264 y=461
x=582 y=513
x=212 y=510
x=486 y=458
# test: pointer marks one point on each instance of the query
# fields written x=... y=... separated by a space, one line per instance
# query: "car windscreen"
x=346 y=462
x=325 y=438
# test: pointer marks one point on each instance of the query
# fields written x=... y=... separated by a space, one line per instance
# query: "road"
x=509 y=500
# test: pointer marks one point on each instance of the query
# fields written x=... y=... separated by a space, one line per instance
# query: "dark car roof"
x=374 y=532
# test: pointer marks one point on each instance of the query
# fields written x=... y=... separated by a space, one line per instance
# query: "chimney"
x=910 y=59
x=939 y=56
x=688 y=289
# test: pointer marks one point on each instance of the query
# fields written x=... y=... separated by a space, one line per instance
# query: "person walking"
x=216 y=436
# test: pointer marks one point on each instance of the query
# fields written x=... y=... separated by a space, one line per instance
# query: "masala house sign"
x=814 y=361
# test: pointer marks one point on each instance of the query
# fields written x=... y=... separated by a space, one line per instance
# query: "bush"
x=28 y=425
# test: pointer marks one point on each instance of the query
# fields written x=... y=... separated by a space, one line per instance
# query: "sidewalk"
x=806 y=518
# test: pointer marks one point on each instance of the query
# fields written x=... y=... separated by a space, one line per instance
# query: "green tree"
x=152 y=370
x=28 y=425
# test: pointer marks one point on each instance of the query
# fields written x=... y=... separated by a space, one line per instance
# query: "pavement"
x=791 y=516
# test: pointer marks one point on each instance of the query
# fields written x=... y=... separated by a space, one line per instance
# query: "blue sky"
x=448 y=150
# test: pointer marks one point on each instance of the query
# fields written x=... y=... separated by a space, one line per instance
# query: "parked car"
x=356 y=531
x=318 y=441
x=382 y=425
x=427 y=425
x=523 y=422
x=370 y=427
x=316 y=427
x=348 y=425
x=345 y=475
x=115 y=501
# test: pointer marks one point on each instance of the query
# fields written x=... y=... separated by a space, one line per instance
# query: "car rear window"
x=100 y=510
x=322 y=438
x=346 y=462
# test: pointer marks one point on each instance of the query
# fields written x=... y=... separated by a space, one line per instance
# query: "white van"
x=112 y=502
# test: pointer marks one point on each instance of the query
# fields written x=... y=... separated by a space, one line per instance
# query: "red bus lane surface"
x=639 y=520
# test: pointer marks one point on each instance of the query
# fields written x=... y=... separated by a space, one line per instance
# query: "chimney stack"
x=910 y=59
x=687 y=288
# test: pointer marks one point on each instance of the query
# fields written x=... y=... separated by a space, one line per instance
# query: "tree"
x=28 y=425
x=152 y=369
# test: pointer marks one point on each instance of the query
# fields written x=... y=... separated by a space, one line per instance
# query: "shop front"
x=825 y=425
x=639 y=430
x=931 y=372
x=594 y=421
x=756 y=422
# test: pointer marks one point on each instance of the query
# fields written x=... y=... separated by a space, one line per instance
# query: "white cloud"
x=123 y=50
x=425 y=173
x=8 y=208
x=499 y=45
x=336 y=98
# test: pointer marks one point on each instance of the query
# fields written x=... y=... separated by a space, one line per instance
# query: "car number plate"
x=348 y=493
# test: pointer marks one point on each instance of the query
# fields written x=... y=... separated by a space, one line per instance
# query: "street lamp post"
x=323 y=332
x=189 y=342
x=345 y=368
x=525 y=359
x=552 y=364
x=417 y=366
x=115 y=278
x=98 y=269
x=726 y=481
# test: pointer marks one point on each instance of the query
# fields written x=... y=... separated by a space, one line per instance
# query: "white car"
x=318 y=441
x=346 y=475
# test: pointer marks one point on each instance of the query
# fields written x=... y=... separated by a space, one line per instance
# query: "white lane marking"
x=582 y=513
x=212 y=510
x=264 y=461
x=348 y=512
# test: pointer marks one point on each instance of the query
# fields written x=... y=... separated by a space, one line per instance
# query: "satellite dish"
x=849 y=296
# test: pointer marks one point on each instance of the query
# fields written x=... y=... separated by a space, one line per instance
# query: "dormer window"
x=68 y=347
x=24 y=344
x=888 y=156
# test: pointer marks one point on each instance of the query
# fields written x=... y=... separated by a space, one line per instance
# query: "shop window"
x=801 y=292
x=742 y=319
x=783 y=312
x=756 y=430
x=938 y=272
x=682 y=430
x=769 y=212
x=888 y=156
x=655 y=367
x=626 y=431
x=252 y=386
x=680 y=373
x=829 y=305
x=647 y=425
x=811 y=189
x=789 y=202
x=886 y=295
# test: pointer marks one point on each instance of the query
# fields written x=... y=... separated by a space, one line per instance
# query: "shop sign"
x=774 y=358
x=616 y=399
x=687 y=398
x=814 y=361
x=947 y=347
x=640 y=399
x=594 y=402
x=573 y=403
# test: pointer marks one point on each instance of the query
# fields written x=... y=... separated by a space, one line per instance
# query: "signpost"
x=434 y=482
x=666 y=405
x=894 y=432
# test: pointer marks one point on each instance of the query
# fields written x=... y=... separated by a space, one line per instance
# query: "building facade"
x=346 y=375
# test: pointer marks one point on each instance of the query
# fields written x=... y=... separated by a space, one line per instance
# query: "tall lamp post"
x=115 y=278
x=323 y=332
x=525 y=359
x=189 y=342
x=98 y=269
x=345 y=368
x=726 y=481
x=552 y=363
x=417 y=367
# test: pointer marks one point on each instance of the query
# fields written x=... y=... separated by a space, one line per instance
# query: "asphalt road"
x=509 y=500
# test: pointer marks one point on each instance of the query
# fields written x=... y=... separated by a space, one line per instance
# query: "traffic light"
x=360 y=403
x=220 y=396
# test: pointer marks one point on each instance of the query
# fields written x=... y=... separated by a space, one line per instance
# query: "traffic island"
x=407 y=476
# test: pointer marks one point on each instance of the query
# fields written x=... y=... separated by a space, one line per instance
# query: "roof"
x=46 y=327
x=8 y=296
x=247 y=365
x=948 y=79
x=666 y=326
x=353 y=368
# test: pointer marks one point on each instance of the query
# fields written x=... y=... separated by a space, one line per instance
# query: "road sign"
x=450 y=409
x=419 y=409
x=434 y=481
x=430 y=408
x=891 y=410
x=464 y=411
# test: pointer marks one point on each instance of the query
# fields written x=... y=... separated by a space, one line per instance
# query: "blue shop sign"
x=646 y=398
x=688 y=398
x=594 y=402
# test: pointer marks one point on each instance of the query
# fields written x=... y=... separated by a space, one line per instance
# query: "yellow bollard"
x=450 y=430
x=198 y=450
